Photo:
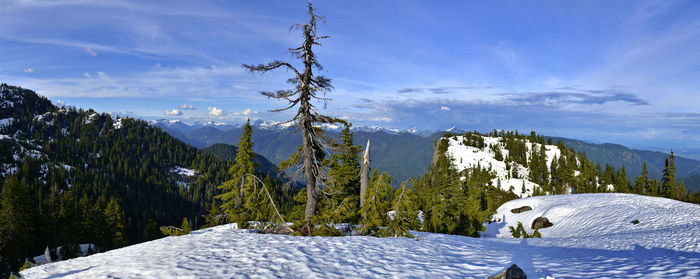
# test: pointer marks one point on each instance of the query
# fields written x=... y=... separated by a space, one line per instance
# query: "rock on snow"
x=663 y=245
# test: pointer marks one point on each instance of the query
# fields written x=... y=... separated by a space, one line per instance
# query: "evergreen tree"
x=374 y=212
x=308 y=86
x=114 y=216
x=404 y=215
x=341 y=202
x=186 y=227
x=668 y=181
x=642 y=184
x=17 y=216
x=240 y=197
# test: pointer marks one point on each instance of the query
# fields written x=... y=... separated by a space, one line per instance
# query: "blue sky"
x=604 y=71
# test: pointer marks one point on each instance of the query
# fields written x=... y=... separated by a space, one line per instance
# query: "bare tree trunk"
x=310 y=177
x=364 y=175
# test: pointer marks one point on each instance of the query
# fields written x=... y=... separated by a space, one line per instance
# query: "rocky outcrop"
x=513 y=272
x=541 y=222
x=521 y=209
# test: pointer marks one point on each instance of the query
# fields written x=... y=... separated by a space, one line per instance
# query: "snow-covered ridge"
x=466 y=157
x=665 y=245
x=589 y=215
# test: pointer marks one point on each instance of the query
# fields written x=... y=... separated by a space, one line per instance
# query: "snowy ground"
x=665 y=245
x=465 y=156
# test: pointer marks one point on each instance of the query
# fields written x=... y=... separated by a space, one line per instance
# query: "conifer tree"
x=374 y=212
x=308 y=87
x=114 y=216
x=669 y=185
x=342 y=196
x=404 y=214
x=17 y=216
x=185 y=226
x=642 y=184
x=240 y=197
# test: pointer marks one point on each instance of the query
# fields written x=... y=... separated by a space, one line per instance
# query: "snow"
x=183 y=171
x=587 y=215
x=464 y=157
x=2 y=137
x=5 y=122
x=665 y=244
x=118 y=124
x=84 y=250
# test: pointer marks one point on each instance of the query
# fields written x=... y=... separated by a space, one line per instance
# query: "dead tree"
x=307 y=88
x=364 y=175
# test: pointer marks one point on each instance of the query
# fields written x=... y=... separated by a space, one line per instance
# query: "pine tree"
x=114 y=216
x=668 y=181
x=240 y=197
x=342 y=200
x=308 y=86
x=374 y=212
x=404 y=215
x=185 y=226
x=641 y=184
x=17 y=216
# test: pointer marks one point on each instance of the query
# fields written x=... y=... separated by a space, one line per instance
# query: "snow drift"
x=592 y=237
x=584 y=215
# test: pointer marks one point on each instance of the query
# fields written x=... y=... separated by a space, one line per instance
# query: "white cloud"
x=91 y=51
x=444 y=108
x=186 y=107
x=214 y=111
x=175 y=112
x=246 y=112
x=29 y=70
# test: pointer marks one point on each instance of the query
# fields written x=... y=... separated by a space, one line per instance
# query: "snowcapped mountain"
x=275 y=125
x=592 y=237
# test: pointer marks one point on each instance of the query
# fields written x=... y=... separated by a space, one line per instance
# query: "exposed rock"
x=513 y=272
x=521 y=209
x=635 y=221
x=541 y=222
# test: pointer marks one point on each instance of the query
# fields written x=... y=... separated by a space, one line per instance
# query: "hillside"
x=405 y=154
x=617 y=156
x=228 y=152
x=593 y=215
x=665 y=247
x=74 y=167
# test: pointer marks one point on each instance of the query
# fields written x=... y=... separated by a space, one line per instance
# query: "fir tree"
x=642 y=184
x=114 y=216
x=669 y=185
x=307 y=88
x=404 y=215
x=185 y=226
x=16 y=221
x=240 y=197
x=376 y=207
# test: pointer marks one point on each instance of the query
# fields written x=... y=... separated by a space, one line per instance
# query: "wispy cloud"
x=185 y=106
x=29 y=70
x=246 y=112
x=91 y=51
x=590 y=97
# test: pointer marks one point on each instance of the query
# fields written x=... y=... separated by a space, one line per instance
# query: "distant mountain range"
x=407 y=153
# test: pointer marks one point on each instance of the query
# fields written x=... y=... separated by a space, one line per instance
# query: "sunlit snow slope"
x=663 y=245
x=465 y=156
x=583 y=215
